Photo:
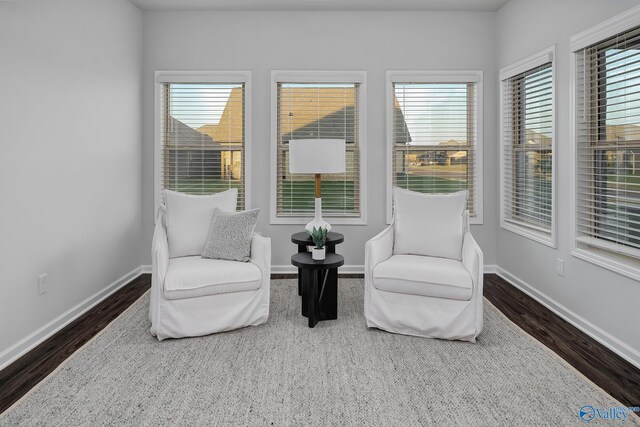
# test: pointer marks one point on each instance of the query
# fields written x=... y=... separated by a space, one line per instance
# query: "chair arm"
x=473 y=262
x=159 y=265
x=261 y=255
x=160 y=251
x=379 y=248
x=472 y=258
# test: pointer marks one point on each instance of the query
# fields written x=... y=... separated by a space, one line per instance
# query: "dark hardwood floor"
x=609 y=371
x=23 y=374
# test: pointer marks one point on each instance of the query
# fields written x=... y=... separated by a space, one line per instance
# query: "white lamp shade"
x=317 y=156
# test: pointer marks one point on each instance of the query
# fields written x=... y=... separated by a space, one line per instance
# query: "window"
x=527 y=167
x=434 y=134
x=202 y=131
x=318 y=105
x=607 y=145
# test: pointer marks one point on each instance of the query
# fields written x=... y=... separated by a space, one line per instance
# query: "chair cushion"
x=188 y=219
x=429 y=224
x=192 y=277
x=427 y=276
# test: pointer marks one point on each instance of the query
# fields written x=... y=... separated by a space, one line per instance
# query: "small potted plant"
x=319 y=237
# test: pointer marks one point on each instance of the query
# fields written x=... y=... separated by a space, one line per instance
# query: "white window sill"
x=537 y=235
x=589 y=250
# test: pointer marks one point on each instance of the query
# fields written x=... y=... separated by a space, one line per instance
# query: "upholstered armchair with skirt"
x=192 y=295
x=424 y=273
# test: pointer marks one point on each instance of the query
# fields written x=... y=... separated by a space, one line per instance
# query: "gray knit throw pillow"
x=230 y=235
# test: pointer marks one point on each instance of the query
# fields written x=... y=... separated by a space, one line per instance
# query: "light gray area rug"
x=283 y=373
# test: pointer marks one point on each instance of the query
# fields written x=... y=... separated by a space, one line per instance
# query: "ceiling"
x=323 y=5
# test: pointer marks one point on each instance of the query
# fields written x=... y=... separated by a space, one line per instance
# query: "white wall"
x=374 y=42
x=606 y=302
x=70 y=165
x=78 y=189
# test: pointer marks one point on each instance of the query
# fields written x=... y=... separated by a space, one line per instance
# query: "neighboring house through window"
x=434 y=134
x=607 y=144
x=527 y=202
x=203 y=133
x=318 y=105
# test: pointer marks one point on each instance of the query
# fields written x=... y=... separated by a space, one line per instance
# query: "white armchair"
x=424 y=273
x=192 y=296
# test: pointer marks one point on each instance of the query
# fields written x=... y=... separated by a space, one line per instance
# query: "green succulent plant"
x=319 y=236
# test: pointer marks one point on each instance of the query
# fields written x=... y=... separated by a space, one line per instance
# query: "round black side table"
x=303 y=240
x=319 y=293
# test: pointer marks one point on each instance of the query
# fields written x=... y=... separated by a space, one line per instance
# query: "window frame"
x=595 y=252
x=162 y=77
x=527 y=64
x=307 y=76
x=437 y=76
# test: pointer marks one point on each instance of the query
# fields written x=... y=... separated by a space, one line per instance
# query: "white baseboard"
x=612 y=343
x=26 y=344
x=490 y=269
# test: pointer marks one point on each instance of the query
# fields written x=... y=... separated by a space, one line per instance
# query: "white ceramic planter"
x=318 y=254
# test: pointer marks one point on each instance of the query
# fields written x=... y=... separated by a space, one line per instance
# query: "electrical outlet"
x=560 y=267
x=42 y=284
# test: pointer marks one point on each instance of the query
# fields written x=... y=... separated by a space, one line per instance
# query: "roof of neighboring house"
x=180 y=134
x=458 y=155
x=301 y=117
x=534 y=137
x=230 y=128
x=453 y=142
x=298 y=115
x=623 y=133
x=403 y=135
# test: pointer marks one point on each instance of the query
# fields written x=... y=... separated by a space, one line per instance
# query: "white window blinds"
x=608 y=144
x=318 y=111
x=527 y=138
x=434 y=138
x=203 y=138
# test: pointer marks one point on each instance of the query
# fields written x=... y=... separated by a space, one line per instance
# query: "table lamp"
x=317 y=156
